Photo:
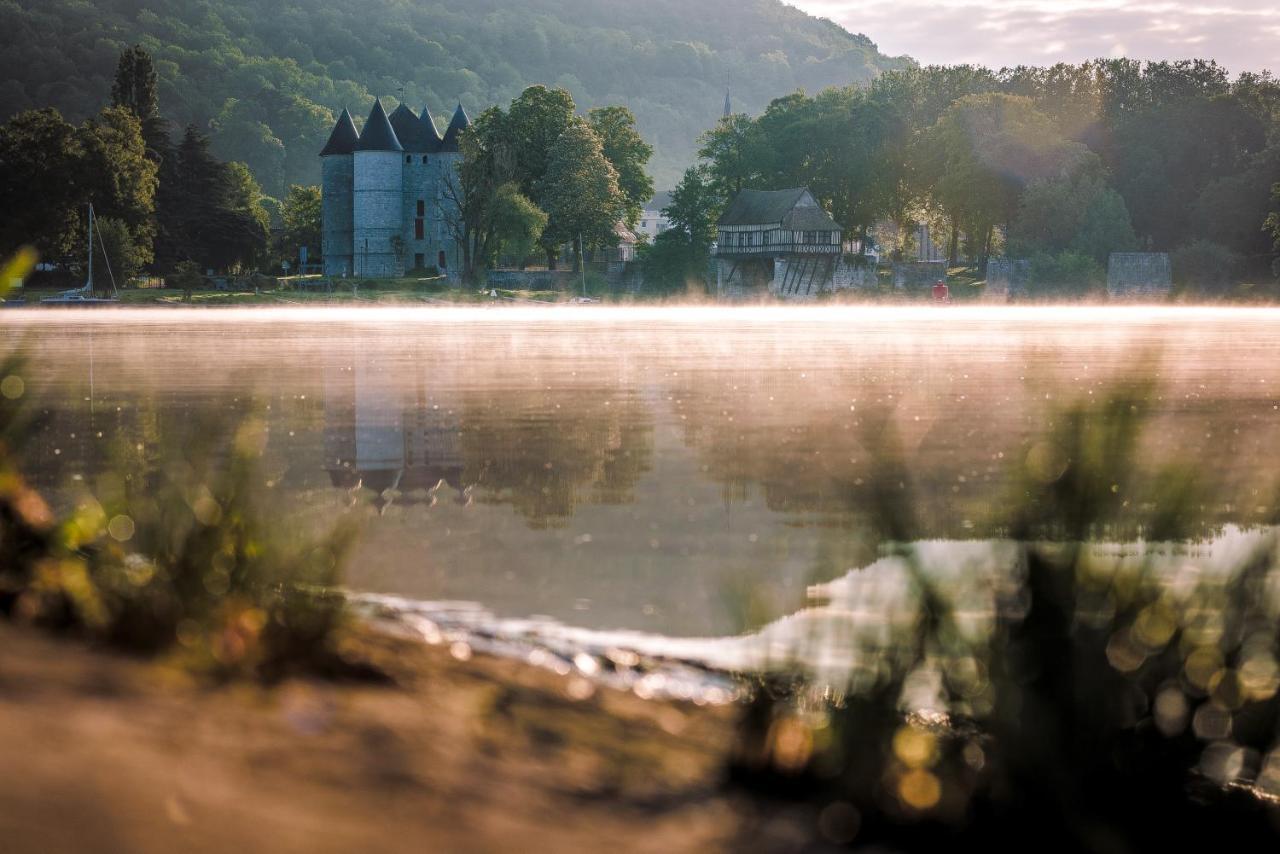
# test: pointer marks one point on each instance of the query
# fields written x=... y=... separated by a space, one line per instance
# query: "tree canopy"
x=1082 y=159
x=537 y=172
x=266 y=78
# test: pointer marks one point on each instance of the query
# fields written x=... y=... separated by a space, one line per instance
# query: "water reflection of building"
x=397 y=440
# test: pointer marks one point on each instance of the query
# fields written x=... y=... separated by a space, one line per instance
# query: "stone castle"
x=385 y=209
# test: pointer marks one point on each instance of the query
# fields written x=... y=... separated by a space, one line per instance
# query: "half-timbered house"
x=779 y=241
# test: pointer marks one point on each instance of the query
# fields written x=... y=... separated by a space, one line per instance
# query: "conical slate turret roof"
x=461 y=121
x=409 y=130
x=429 y=129
x=344 y=138
x=378 y=135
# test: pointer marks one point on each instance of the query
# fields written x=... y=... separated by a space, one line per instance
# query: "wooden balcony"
x=775 y=249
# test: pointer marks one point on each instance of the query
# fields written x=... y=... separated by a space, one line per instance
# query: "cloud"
x=1239 y=34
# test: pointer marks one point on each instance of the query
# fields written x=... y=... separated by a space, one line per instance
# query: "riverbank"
x=108 y=753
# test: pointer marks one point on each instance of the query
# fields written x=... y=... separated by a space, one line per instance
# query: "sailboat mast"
x=90 y=284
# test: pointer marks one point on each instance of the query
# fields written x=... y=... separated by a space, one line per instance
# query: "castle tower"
x=378 y=199
x=337 y=176
x=418 y=216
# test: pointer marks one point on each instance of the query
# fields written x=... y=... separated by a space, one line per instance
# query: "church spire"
x=728 y=103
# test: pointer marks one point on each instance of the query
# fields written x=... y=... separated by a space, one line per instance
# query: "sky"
x=1243 y=35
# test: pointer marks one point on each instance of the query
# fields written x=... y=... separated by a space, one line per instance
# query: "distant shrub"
x=186 y=277
x=1064 y=274
x=429 y=272
x=1205 y=267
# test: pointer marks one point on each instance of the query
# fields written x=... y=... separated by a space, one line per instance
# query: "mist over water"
x=694 y=472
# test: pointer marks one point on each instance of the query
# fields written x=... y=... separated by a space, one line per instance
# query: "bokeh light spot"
x=121 y=528
x=920 y=790
x=12 y=387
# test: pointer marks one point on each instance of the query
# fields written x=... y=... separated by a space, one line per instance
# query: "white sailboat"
x=84 y=296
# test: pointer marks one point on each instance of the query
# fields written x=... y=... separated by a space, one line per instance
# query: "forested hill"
x=267 y=76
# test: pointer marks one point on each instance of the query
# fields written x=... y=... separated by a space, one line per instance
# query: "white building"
x=652 y=220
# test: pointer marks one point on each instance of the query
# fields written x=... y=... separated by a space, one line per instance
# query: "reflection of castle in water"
x=400 y=441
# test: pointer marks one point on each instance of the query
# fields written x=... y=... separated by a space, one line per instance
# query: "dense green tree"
x=731 y=150
x=1205 y=267
x=517 y=223
x=1065 y=274
x=489 y=162
x=136 y=86
x=629 y=154
x=582 y=199
x=1272 y=227
x=983 y=152
x=1077 y=211
x=117 y=174
x=533 y=127
x=51 y=171
x=534 y=123
x=695 y=206
x=676 y=261
x=300 y=213
x=118 y=255
x=40 y=158
x=220 y=222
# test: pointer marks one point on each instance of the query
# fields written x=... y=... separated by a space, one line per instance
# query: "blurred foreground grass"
x=189 y=561
x=1110 y=707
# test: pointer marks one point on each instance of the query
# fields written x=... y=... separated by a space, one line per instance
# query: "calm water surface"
x=687 y=472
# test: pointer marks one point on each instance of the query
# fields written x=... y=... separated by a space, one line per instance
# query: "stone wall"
x=744 y=279
x=378 y=217
x=533 y=280
x=847 y=274
x=1139 y=274
x=1007 y=278
x=852 y=274
x=337 y=234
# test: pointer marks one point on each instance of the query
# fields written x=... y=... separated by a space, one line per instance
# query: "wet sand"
x=105 y=753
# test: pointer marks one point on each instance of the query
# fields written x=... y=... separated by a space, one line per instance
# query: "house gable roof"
x=794 y=208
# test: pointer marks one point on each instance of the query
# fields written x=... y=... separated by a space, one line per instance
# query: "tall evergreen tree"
x=136 y=85
x=218 y=219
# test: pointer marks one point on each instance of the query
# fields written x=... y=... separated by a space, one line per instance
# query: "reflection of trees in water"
x=814 y=447
x=546 y=453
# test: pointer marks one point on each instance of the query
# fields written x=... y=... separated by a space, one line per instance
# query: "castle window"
x=419 y=261
x=418 y=229
x=424 y=160
x=408 y=158
x=422 y=208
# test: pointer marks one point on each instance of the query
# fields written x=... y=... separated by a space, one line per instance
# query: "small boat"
x=83 y=296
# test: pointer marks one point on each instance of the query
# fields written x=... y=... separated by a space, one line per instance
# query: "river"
x=678 y=472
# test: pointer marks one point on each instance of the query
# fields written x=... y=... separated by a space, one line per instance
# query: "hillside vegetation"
x=267 y=76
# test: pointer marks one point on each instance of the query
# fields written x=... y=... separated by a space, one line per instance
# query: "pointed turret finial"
x=378 y=135
x=344 y=138
x=461 y=121
x=430 y=131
